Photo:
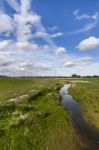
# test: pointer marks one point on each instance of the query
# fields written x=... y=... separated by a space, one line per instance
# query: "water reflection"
x=87 y=132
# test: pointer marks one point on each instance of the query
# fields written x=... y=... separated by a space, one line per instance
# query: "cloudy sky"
x=49 y=37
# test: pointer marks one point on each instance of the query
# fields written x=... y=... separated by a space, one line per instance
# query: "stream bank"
x=89 y=134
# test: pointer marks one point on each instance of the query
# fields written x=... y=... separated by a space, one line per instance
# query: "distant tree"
x=75 y=76
x=95 y=76
x=88 y=76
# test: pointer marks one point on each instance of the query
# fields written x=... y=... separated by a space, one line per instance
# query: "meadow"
x=32 y=118
x=87 y=94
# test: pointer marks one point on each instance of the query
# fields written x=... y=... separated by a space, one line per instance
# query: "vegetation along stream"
x=89 y=134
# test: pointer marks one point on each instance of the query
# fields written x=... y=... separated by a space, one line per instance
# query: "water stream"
x=85 y=130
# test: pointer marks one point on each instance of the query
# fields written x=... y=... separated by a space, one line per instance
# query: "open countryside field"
x=87 y=94
x=32 y=118
x=49 y=75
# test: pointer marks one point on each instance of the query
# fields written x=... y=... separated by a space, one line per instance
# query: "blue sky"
x=46 y=37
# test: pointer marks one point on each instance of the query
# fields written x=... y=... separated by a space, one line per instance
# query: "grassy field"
x=31 y=117
x=87 y=94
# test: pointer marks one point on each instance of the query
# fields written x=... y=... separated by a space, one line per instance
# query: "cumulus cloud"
x=4 y=44
x=25 y=21
x=60 y=50
x=36 y=66
x=5 y=23
x=90 y=43
x=21 y=54
x=21 y=44
x=69 y=64
x=78 y=62
x=26 y=25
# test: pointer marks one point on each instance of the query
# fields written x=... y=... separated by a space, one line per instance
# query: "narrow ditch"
x=88 y=134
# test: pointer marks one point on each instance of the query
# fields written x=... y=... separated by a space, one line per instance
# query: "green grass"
x=87 y=94
x=31 y=117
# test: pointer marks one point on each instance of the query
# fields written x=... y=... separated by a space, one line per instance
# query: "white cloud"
x=44 y=34
x=34 y=66
x=24 y=25
x=87 y=27
x=42 y=66
x=58 y=34
x=85 y=59
x=78 y=62
x=69 y=64
x=22 y=44
x=25 y=21
x=5 y=23
x=92 y=21
x=25 y=6
x=83 y=16
x=24 y=56
x=28 y=46
x=41 y=34
x=60 y=50
x=90 y=43
x=13 y=4
x=51 y=29
x=4 y=44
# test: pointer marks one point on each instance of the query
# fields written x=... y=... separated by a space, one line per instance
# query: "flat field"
x=87 y=94
x=32 y=118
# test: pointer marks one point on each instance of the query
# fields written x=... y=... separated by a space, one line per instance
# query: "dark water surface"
x=89 y=134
